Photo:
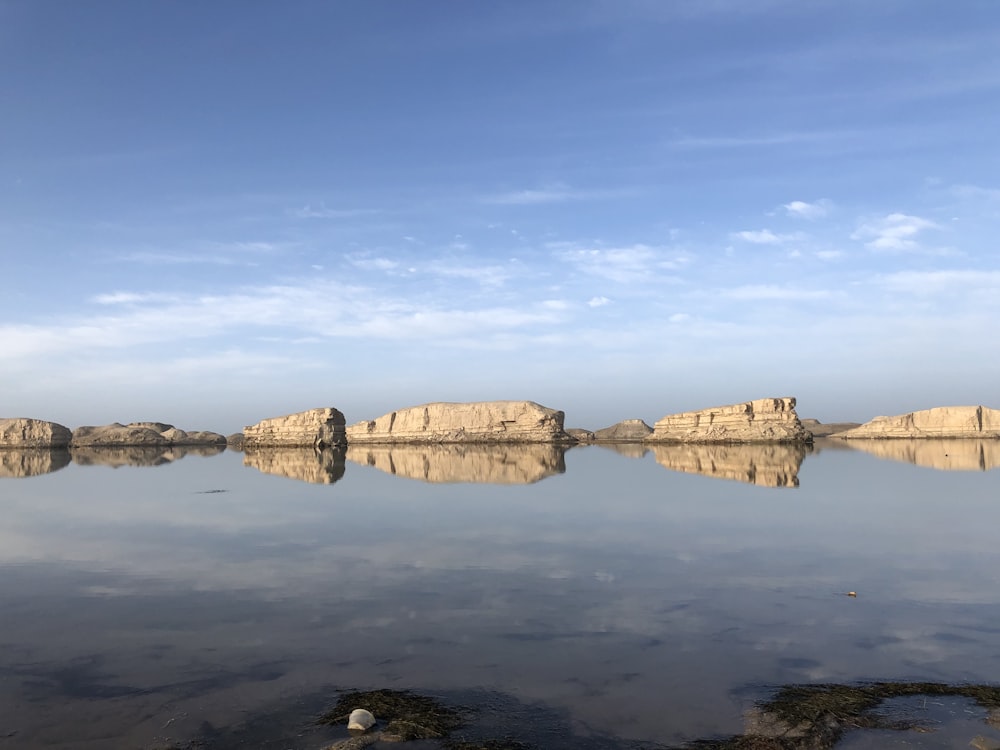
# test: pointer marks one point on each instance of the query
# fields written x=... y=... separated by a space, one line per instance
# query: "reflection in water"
x=765 y=464
x=32 y=461
x=139 y=455
x=629 y=450
x=305 y=464
x=947 y=455
x=482 y=464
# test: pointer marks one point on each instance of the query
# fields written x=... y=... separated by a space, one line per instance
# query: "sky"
x=214 y=213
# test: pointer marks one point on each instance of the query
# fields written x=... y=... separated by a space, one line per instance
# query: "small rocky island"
x=766 y=420
x=939 y=422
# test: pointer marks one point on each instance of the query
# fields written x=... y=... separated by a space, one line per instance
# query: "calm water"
x=648 y=595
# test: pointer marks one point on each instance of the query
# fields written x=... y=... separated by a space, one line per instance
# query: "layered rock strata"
x=324 y=466
x=939 y=422
x=482 y=464
x=315 y=428
x=945 y=454
x=477 y=422
x=766 y=420
x=22 y=432
x=30 y=462
x=626 y=431
x=767 y=465
x=149 y=434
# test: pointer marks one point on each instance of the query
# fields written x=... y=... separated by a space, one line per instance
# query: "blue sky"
x=212 y=213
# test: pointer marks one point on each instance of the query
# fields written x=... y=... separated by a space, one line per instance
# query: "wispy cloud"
x=368 y=263
x=809 y=211
x=624 y=265
x=598 y=301
x=309 y=211
x=944 y=281
x=895 y=232
x=557 y=193
x=754 y=292
x=754 y=141
x=765 y=237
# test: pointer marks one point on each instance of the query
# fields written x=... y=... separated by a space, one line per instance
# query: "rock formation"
x=477 y=422
x=946 y=454
x=766 y=420
x=235 y=441
x=626 y=431
x=483 y=464
x=818 y=429
x=940 y=422
x=21 y=432
x=324 y=466
x=767 y=465
x=316 y=428
x=30 y=462
x=580 y=435
x=148 y=434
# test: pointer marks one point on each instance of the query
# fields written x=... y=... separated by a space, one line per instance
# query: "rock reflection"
x=629 y=450
x=31 y=462
x=767 y=465
x=482 y=464
x=305 y=464
x=947 y=455
x=139 y=455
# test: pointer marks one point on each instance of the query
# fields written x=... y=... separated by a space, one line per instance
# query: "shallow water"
x=649 y=595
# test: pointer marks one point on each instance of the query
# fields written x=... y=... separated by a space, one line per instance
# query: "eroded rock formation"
x=767 y=465
x=626 y=431
x=819 y=429
x=939 y=422
x=946 y=454
x=316 y=428
x=477 y=422
x=30 y=462
x=149 y=434
x=323 y=466
x=484 y=464
x=22 y=432
x=766 y=420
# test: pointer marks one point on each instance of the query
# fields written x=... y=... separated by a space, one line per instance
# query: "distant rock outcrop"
x=626 y=431
x=580 y=435
x=482 y=464
x=945 y=454
x=149 y=434
x=30 y=462
x=818 y=429
x=316 y=428
x=22 y=432
x=235 y=441
x=766 y=420
x=767 y=465
x=324 y=466
x=477 y=422
x=939 y=422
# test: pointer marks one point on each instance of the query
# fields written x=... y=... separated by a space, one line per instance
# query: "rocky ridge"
x=315 y=428
x=149 y=434
x=23 y=432
x=766 y=420
x=626 y=431
x=939 y=422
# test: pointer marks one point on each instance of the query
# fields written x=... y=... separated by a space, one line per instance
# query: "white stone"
x=360 y=719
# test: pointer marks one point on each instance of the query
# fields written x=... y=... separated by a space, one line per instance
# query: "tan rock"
x=819 y=429
x=939 y=422
x=315 y=428
x=30 y=462
x=580 y=435
x=767 y=465
x=626 y=431
x=484 y=464
x=766 y=420
x=22 y=432
x=477 y=422
x=322 y=466
x=946 y=454
x=117 y=434
x=235 y=441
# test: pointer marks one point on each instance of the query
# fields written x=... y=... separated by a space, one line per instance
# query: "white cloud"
x=896 y=231
x=322 y=212
x=556 y=304
x=625 y=265
x=810 y=211
x=367 y=263
x=555 y=193
x=829 y=254
x=953 y=281
x=765 y=237
x=770 y=292
x=598 y=301
x=679 y=318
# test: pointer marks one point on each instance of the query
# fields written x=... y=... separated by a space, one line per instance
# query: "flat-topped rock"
x=149 y=434
x=478 y=463
x=23 y=432
x=476 y=422
x=939 y=422
x=315 y=428
x=766 y=465
x=765 y=420
x=626 y=431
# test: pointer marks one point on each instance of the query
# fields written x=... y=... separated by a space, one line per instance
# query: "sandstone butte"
x=766 y=420
x=476 y=422
x=141 y=434
x=939 y=422
x=766 y=465
x=21 y=432
x=316 y=428
x=474 y=463
x=626 y=431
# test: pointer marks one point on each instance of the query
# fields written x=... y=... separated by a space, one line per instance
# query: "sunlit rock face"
x=323 y=466
x=946 y=454
x=767 y=465
x=765 y=420
x=628 y=430
x=315 y=428
x=484 y=464
x=21 y=432
x=819 y=429
x=939 y=422
x=116 y=456
x=30 y=462
x=149 y=434
x=477 y=422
